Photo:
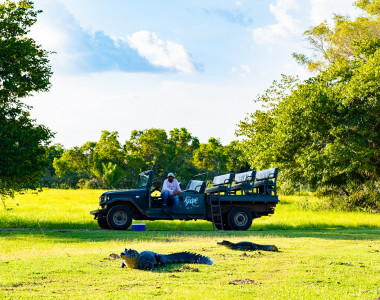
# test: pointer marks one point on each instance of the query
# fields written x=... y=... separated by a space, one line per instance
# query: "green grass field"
x=59 y=255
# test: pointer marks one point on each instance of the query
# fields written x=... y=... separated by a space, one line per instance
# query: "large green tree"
x=154 y=149
x=148 y=149
x=216 y=159
x=236 y=161
x=24 y=69
x=181 y=148
x=211 y=157
x=112 y=175
x=73 y=166
x=102 y=161
x=49 y=177
x=107 y=150
x=344 y=41
x=326 y=130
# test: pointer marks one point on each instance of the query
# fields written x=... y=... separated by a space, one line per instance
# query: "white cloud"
x=80 y=50
x=322 y=10
x=246 y=68
x=243 y=70
x=286 y=27
x=161 y=53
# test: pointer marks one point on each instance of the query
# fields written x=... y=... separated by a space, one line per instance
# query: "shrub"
x=286 y=188
x=362 y=197
x=366 y=197
x=94 y=183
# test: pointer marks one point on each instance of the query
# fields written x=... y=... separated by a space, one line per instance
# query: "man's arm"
x=177 y=188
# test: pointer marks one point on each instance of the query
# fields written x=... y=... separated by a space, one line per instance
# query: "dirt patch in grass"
x=186 y=268
x=243 y=281
x=112 y=256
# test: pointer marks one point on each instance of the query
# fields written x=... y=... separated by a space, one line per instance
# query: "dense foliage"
x=108 y=164
x=326 y=130
x=24 y=69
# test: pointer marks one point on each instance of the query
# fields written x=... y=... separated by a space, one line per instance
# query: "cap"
x=170 y=174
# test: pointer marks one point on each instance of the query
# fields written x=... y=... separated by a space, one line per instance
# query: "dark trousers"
x=171 y=199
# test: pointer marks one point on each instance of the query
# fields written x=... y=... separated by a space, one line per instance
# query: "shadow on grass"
x=170 y=236
x=177 y=268
x=176 y=225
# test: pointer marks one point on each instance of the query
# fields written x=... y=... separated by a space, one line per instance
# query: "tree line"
x=110 y=164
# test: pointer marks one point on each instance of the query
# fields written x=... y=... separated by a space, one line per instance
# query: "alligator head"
x=130 y=256
x=224 y=243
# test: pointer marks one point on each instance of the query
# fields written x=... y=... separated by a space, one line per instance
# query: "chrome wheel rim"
x=241 y=219
x=120 y=218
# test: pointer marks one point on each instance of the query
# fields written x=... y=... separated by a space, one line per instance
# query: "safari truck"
x=231 y=202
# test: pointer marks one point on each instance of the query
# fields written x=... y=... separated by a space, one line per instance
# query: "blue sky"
x=122 y=65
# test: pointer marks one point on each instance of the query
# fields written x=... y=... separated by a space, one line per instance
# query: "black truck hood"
x=124 y=193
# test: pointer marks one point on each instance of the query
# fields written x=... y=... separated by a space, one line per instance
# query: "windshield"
x=143 y=181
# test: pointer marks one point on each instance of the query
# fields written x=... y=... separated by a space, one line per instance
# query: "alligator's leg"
x=152 y=266
x=254 y=247
x=146 y=265
x=160 y=260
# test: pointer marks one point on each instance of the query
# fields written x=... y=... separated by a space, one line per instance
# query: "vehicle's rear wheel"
x=119 y=217
x=240 y=218
x=102 y=222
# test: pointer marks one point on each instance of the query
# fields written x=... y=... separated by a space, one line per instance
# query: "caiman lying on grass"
x=247 y=246
x=150 y=259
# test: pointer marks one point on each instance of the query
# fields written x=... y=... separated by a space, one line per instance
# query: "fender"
x=128 y=200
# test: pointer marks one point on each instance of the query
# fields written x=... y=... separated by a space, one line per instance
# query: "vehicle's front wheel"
x=240 y=218
x=119 y=217
x=102 y=222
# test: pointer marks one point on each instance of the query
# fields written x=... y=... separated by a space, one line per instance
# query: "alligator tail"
x=186 y=257
x=267 y=247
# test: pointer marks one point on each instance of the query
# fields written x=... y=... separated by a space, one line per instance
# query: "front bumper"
x=98 y=213
x=95 y=212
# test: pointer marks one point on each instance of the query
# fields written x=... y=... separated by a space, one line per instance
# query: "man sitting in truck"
x=170 y=191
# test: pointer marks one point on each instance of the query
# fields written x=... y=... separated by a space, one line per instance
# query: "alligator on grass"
x=247 y=246
x=149 y=260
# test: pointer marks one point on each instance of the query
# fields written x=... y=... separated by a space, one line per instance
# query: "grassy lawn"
x=70 y=209
x=322 y=254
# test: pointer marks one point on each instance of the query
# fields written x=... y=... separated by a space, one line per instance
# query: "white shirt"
x=171 y=187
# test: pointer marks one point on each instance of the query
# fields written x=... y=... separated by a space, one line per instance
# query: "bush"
x=366 y=197
x=313 y=204
x=358 y=197
x=64 y=186
x=286 y=188
x=94 y=183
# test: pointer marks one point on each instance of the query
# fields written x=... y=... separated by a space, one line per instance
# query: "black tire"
x=240 y=218
x=102 y=222
x=119 y=217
